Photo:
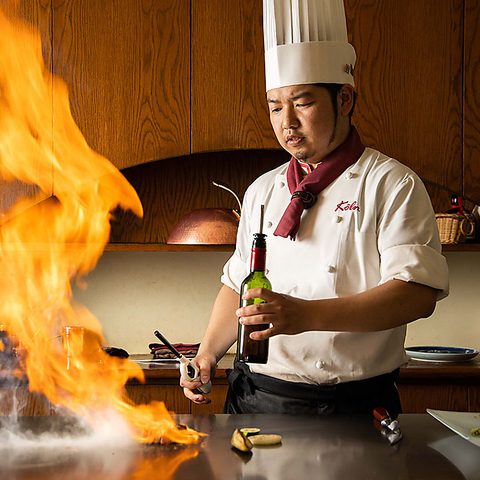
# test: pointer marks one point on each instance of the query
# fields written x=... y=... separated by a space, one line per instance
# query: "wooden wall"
x=151 y=81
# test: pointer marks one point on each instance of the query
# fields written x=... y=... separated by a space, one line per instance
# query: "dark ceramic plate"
x=441 y=354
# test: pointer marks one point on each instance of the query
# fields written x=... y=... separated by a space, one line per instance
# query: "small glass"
x=73 y=340
x=80 y=342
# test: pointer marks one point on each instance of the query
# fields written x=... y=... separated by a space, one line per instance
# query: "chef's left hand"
x=285 y=314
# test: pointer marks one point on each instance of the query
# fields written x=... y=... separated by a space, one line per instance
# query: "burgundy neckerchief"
x=304 y=190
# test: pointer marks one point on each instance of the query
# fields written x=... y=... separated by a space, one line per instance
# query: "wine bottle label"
x=257 y=261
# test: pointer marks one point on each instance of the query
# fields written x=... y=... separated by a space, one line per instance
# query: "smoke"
x=66 y=447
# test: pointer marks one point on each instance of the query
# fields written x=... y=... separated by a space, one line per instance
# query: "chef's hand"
x=284 y=313
x=207 y=364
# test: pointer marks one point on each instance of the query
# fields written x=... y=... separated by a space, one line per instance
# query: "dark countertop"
x=313 y=447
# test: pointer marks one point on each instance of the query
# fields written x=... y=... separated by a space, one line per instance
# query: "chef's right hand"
x=207 y=365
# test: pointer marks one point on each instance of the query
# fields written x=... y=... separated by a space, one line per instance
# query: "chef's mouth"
x=294 y=140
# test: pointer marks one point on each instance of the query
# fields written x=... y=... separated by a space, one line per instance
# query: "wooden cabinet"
x=441 y=386
x=410 y=102
x=170 y=394
x=174 y=399
x=422 y=385
x=471 y=80
x=37 y=15
x=127 y=66
x=172 y=79
x=409 y=83
x=20 y=401
x=229 y=110
x=155 y=80
x=417 y=397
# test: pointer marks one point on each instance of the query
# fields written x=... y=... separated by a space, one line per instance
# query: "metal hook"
x=228 y=189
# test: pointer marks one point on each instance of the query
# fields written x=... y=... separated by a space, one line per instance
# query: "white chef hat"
x=306 y=42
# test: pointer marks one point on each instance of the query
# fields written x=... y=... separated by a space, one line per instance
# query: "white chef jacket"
x=374 y=223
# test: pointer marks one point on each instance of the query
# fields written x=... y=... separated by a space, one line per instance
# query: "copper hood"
x=208 y=226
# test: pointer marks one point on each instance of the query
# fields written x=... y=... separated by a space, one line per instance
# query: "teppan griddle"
x=313 y=447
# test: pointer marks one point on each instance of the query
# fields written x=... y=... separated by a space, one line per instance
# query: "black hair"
x=334 y=89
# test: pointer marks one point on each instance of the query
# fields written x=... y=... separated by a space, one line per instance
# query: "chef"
x=353 y=251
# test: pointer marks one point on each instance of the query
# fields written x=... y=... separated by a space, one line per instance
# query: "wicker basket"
x=454 y=228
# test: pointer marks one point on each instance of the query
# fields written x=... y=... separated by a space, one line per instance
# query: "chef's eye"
x=303 y=104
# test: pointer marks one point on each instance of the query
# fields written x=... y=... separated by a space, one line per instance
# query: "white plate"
x=441 y=354
x=459 y=422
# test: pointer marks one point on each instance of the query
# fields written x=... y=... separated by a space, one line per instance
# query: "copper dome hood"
x=208 y=226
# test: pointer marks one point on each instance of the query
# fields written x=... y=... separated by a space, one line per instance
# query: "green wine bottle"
x=248 y=350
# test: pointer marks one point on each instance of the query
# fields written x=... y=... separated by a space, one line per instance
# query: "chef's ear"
x=347 y=99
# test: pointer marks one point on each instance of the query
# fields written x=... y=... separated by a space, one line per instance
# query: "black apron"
x=256 y=393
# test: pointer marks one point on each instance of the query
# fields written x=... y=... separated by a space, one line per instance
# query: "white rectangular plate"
x=459 y=422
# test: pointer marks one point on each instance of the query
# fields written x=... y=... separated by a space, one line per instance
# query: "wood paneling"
x=474 y=398
x=37 y=14
x=171 y=395
x=127 y=66
x=20 y=401
x=169 y=189
x=471 y=133
x=422 y=385
x=409 y=82
x=217 y=395
x=156 y=80
x=416 y=398
x=229 y=110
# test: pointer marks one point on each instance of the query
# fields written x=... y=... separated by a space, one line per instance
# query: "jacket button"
x=349 y=175
x=269 y=224
x=281 y=184
x=331 y=269
x=337 y=219
x=319 y=364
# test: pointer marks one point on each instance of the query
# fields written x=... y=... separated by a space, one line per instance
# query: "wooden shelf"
x=163 y=247
x=461 y=247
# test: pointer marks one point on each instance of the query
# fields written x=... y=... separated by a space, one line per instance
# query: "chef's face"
x=305 y=121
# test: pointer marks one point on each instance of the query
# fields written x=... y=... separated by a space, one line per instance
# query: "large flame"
x=58 y=237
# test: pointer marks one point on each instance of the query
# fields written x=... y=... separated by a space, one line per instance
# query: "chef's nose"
x=290 y=119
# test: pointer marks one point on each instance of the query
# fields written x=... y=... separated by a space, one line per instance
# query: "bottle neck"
x=259 y=253
x=258 y=259
x=457 y=206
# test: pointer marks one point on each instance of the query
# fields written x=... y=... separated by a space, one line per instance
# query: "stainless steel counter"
x=332 y=447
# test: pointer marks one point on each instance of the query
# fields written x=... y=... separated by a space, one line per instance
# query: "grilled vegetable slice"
x=266 y=439
x=247 y=431
x=240 y=441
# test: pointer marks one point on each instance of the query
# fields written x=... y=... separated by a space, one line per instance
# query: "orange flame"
x=58 y=236
x=165 y=465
